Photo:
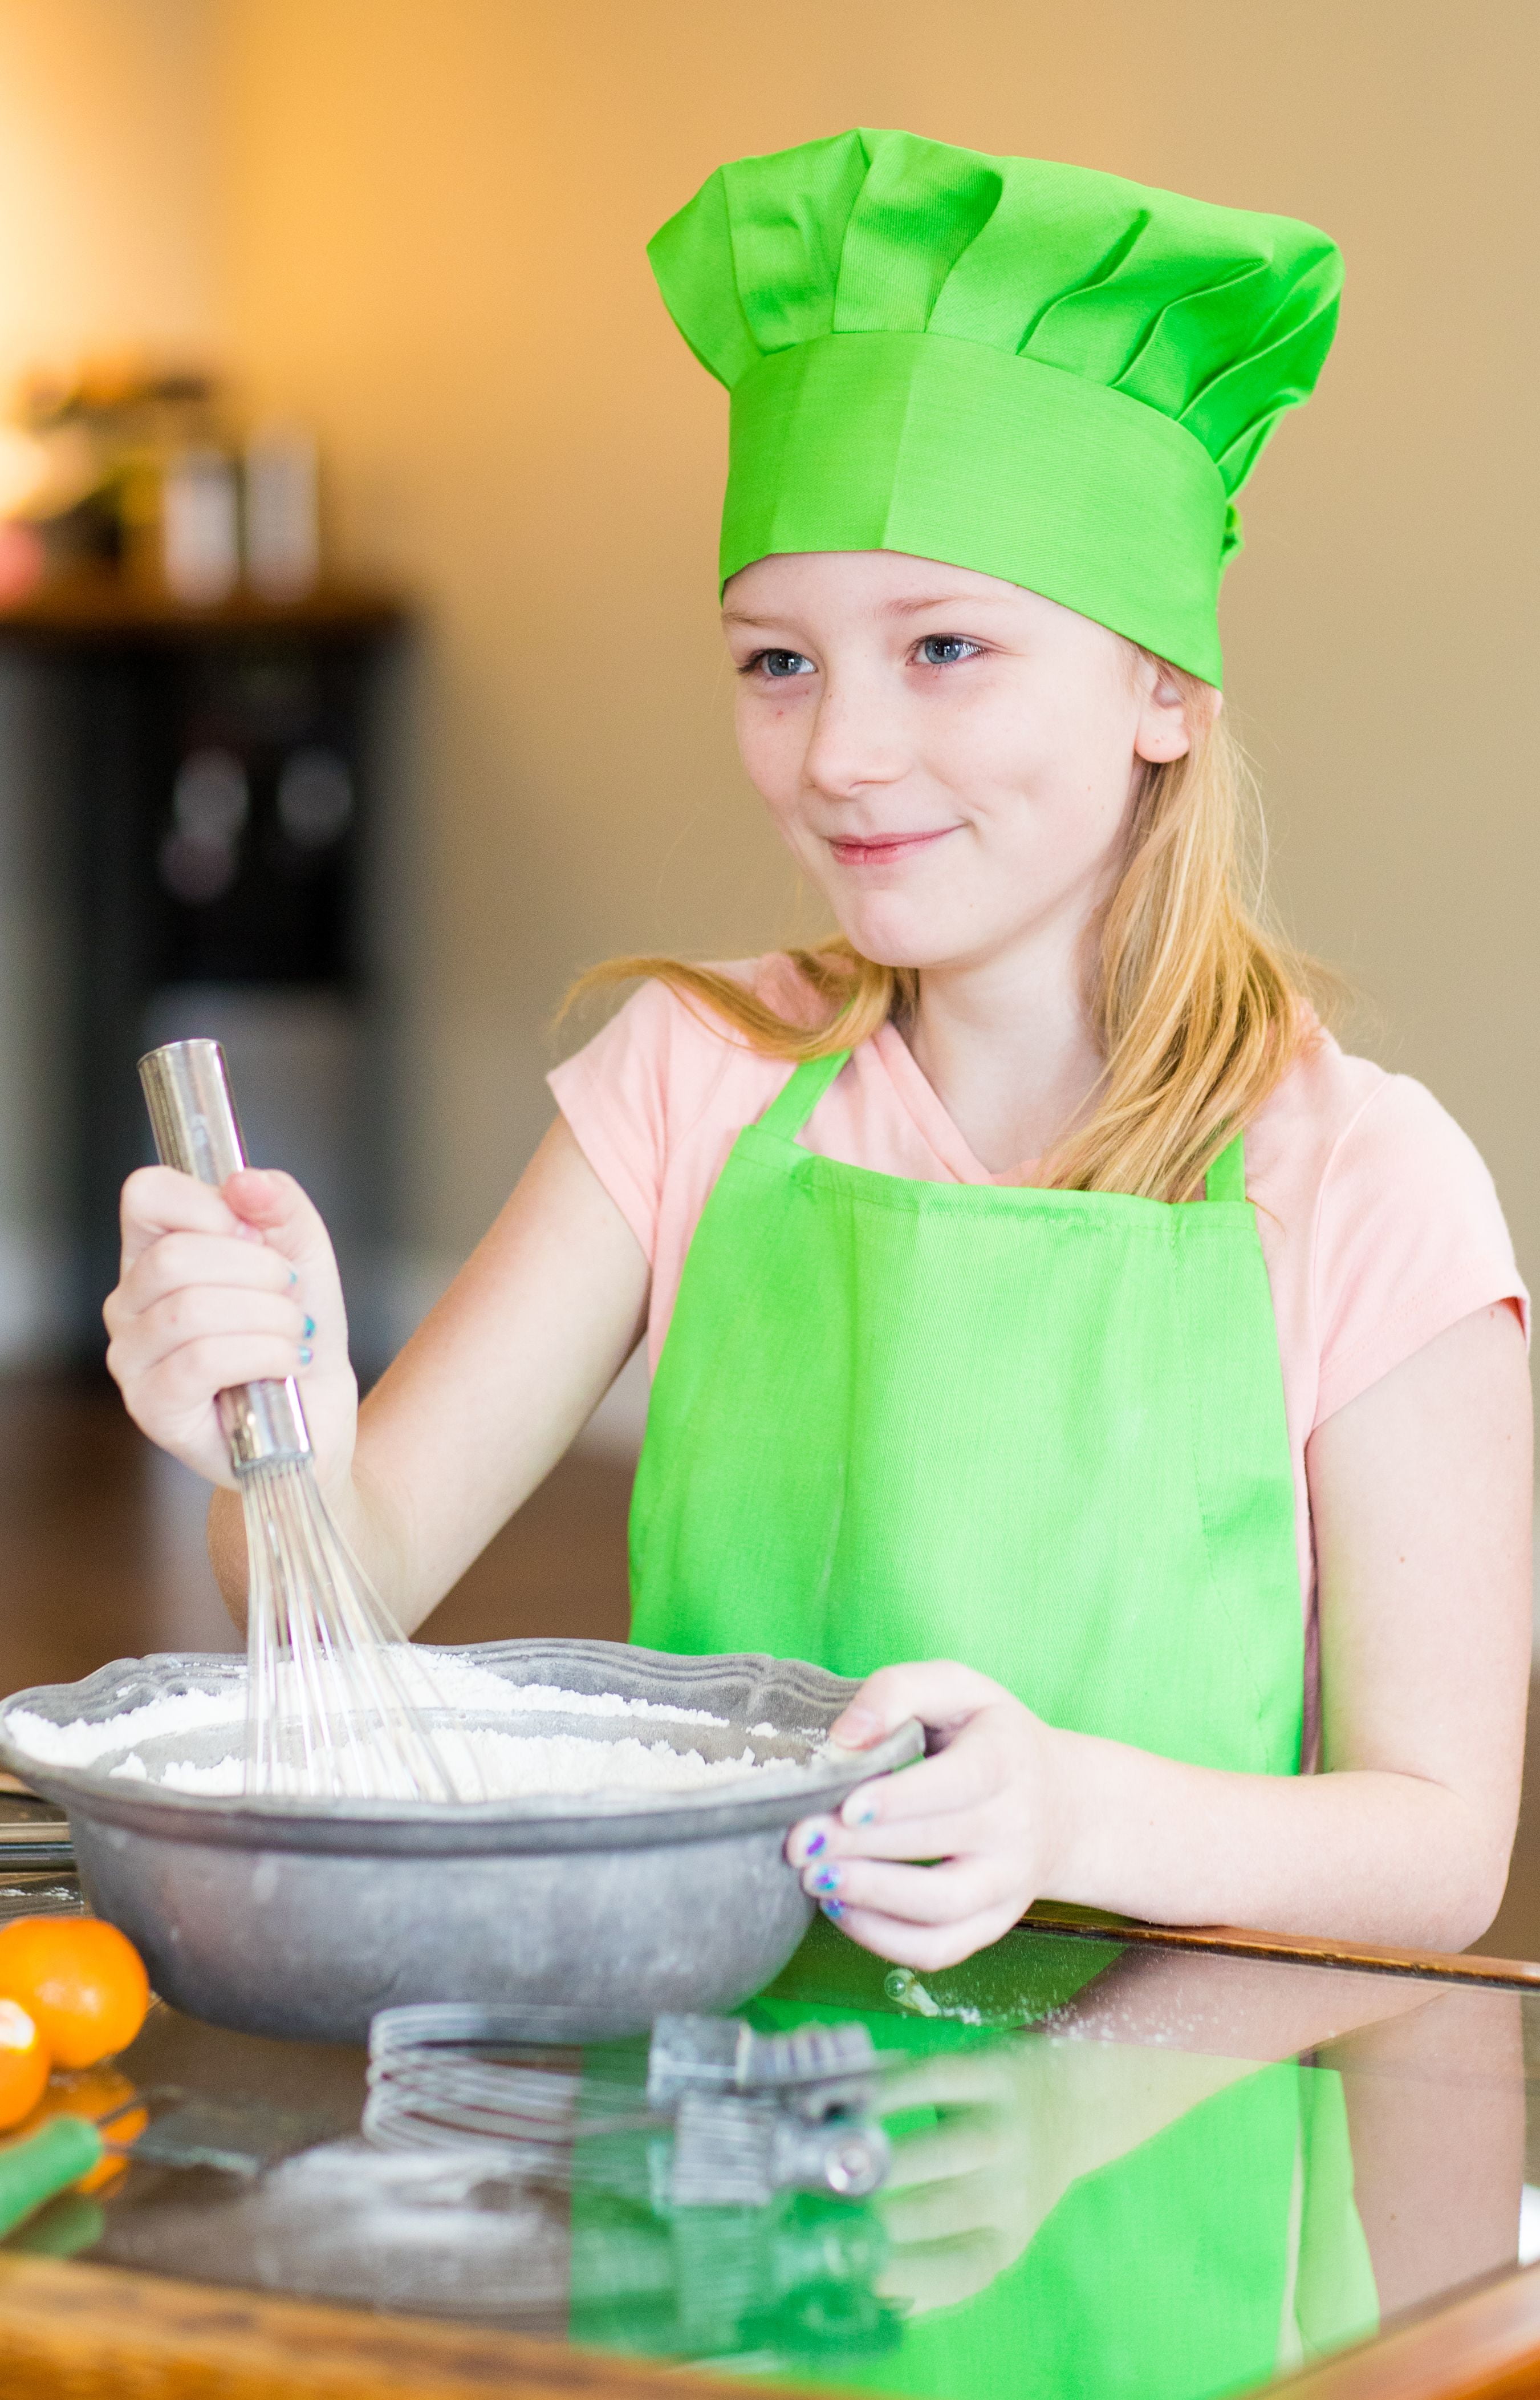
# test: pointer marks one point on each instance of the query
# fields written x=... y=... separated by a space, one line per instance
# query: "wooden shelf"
x=104 y=608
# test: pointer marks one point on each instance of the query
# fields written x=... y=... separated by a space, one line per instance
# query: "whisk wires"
x=335 y=1697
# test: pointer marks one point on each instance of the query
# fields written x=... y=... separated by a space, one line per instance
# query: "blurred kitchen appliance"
x=218 y=807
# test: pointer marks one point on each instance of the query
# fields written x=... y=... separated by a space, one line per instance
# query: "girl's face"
x=951 y=758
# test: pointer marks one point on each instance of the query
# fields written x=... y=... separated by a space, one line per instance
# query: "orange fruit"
x=96 y=2092
x=82 y=1983
x=23 y=2064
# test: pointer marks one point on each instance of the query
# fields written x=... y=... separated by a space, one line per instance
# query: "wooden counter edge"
x=83 y=2332
x=74 y=2331
x=1239 y=1941
x=1484 y=2346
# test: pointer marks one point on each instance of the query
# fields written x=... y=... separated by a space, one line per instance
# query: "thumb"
x=940 y=1692
x=274 y=1209
x=259 y=1198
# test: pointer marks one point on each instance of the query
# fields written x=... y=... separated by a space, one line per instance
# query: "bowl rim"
x=545 y=1821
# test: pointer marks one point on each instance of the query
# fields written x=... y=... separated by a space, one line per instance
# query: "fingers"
x=202 y=1311
x=938 y=2274
x=948 y=2206
x=924 y=1947
x=271 y=1202
x=259 y=1206
x=938 y=1895
x=940 y=1692
x=970 y=2142
x=180 y=1385
x=156 y=1200
x=183 y=1260
x=917 y=1813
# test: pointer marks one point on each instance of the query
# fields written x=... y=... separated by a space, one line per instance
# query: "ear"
x=1164 y=729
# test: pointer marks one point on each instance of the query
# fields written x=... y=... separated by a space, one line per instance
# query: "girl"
x=1050 y=1325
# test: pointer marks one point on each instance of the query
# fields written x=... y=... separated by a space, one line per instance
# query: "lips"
x=884 y=850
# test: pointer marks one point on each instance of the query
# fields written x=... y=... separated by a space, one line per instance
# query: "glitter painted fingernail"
x=860 y=1809
x=833 y=1909
x=309 y=1326
x=306 y=1354
x=817 y=1842
x=826 y=1879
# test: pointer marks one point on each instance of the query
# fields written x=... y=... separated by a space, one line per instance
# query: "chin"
x=887 y=940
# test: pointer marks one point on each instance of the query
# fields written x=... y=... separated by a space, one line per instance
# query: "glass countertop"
x=1117 y=2170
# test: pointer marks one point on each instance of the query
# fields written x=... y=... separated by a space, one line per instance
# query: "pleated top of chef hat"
x=1038 y=371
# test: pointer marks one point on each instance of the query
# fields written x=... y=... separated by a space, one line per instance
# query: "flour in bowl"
x=507 y=1763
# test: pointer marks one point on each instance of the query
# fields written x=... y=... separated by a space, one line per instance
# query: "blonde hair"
x=1198 y=1007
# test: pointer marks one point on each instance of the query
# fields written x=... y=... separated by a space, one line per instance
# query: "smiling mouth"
x=880 y=850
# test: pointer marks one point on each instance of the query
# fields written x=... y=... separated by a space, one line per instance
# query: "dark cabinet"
x=215 y=781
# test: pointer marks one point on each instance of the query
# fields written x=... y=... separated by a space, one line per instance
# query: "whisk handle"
x=187 y=1087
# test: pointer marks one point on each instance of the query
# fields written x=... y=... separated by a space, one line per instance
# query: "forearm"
x=486 y=1395
x=1367 y=1856
x=377 y=1539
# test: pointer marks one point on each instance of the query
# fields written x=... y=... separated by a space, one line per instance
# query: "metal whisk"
x=334 y=1695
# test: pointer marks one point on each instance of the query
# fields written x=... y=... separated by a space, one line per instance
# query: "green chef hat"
x=1042 y=371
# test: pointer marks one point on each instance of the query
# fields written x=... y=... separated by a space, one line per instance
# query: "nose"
x=855 y=741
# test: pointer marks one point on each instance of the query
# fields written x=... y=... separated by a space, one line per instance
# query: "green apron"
x=1041 y=1432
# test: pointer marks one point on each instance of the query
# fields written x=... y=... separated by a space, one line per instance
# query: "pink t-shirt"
x=1379 y=1221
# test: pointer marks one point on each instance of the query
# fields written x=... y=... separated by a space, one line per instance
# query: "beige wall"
x=439 y=208
x=108 y=239
x=107 y=182
x=423 y=221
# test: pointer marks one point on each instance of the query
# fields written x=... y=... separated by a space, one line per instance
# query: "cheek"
x=772 y=742
x=1043 y=786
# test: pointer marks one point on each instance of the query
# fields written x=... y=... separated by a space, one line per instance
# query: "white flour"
x=509 y=1765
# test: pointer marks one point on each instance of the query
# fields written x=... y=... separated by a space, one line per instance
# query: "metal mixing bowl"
x=591 y=1915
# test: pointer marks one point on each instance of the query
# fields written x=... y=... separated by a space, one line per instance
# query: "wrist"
x=1076 y=1836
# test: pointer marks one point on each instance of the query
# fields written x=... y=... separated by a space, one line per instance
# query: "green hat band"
x=950 y=450
x=1038 y=371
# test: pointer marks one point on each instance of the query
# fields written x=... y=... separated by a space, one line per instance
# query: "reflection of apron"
x=1222 y=2250
x=1042 y=1432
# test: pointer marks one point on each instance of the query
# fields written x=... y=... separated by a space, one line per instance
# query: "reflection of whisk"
x=716 y=2116
x=333 y=1697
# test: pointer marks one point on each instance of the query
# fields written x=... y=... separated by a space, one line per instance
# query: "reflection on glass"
x=1065 y=2214
x=1118 y=2172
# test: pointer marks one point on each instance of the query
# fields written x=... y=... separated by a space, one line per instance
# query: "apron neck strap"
x=806 y=1085
x=794 y=1103
x=1226 y=1177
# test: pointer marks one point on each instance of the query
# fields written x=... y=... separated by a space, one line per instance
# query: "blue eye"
x=946 y=650
x=781 y=663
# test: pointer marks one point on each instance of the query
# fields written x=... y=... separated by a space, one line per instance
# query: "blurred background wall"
x=109 y=235
x=419 y=225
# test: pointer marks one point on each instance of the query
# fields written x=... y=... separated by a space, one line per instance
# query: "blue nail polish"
x=293 y=1277
x=826 y=1879
x=819 y=1842
x=309 y=1326
x=306 y=1354
x=860 y=1811
x=833 y=1909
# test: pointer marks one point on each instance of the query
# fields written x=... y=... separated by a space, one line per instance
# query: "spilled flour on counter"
x=508 y=1765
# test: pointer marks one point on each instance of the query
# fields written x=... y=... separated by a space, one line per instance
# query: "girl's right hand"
x=221 y=1288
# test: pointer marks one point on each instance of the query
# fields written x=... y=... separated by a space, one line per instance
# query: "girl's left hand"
x=989 y=1808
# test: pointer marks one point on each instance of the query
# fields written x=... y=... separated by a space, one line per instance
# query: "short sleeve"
x=636 y=1093
x=613 y=1094
x=1411 y=1238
